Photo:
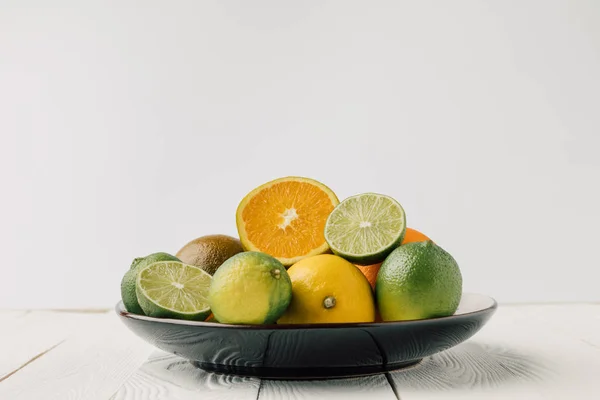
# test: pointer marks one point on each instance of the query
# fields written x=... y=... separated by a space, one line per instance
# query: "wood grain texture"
x=165 y=376
x=27 y=334
x=370 y=387
x=472 y=366
x=525 y=352
x=92 y=363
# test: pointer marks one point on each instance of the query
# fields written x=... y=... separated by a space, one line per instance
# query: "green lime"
x=172 y=289
x=365 y=228
x=209 y=252
x=417 y=281
x=128 y=282
x=250 y=288
x=138 y=260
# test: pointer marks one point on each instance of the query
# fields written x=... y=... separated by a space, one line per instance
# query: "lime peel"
x=365 y=228
x=171 y=289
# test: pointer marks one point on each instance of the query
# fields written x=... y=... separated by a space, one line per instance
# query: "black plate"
x=311 y=351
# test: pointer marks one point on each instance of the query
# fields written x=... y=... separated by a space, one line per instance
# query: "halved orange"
x=285 y=218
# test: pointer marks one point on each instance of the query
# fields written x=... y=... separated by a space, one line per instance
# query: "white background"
x=133 y=127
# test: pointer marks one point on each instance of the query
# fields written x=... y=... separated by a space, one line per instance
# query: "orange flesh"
x=287 y=219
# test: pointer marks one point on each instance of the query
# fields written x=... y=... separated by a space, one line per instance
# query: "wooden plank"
x=8 y=316
x=370 y=387
x=26 y=335
x=479 y=371
x=165 y=376
x=91 y=364
x=525 y=352
x=469 y=370
x=580 y=322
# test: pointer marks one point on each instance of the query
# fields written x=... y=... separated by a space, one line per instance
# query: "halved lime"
x=365 y=228
x=171 y=289
x=128 y=282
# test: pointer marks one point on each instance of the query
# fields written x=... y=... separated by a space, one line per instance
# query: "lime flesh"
x=128 y=294
x=365 y=228
x=171 y=289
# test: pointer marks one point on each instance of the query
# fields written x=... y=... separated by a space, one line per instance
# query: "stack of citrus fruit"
x=302 y=257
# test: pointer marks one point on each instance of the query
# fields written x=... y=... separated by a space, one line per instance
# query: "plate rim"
x=120 y=310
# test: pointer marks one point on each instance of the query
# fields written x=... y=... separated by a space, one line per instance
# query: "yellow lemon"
x=328 y=289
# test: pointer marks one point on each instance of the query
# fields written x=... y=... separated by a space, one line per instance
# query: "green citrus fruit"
x=417 y=281
x=172 y=289
x=128 y=282
x=365 y=228
x=209 y=252
x=250 y=288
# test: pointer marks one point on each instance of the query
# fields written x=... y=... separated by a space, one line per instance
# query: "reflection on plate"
x=312 y=351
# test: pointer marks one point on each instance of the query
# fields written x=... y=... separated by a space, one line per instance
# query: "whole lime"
x=417 y=281
x=128 y=282
x=250 y=288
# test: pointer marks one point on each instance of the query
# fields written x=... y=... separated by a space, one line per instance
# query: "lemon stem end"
x=329 y=302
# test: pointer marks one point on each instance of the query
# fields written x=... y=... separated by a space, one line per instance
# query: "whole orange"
x=370 y=271
x=412 y=235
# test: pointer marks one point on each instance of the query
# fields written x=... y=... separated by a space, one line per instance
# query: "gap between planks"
x=512 y=325
x=524 y=352
x=26 y=334
x=91 y=364
x=11 y=373
x=497 y=363
x=167 y=376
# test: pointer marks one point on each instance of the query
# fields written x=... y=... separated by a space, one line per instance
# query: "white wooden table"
x=525 y=352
